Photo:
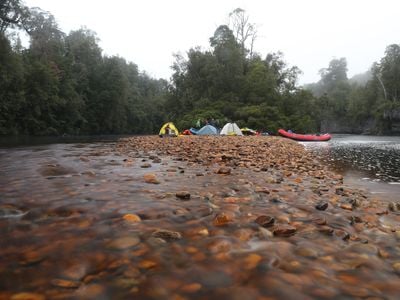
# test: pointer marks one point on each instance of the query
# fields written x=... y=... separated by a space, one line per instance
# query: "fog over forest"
x=63 y=83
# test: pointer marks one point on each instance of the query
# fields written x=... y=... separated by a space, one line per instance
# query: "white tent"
x=231 y=129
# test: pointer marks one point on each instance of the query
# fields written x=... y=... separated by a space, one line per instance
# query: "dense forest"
x=63 y=84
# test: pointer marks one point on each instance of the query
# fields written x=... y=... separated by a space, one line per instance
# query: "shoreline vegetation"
x=195 y=217
x=64 y=84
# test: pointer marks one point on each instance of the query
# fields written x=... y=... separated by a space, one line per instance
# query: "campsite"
x=232 y=129
x=229 y=129
x=181 y=150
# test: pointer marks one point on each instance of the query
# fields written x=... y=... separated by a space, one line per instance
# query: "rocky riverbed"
x=193 y=218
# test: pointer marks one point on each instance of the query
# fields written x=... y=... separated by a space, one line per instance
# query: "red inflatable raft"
x=305 y=137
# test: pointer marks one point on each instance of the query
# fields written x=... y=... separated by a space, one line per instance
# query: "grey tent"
x=207 y=130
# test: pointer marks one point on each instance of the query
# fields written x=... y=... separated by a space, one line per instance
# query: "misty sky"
x=309 y=32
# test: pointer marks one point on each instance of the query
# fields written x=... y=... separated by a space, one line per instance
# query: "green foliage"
x=63 y=84
x=370 y=107
x=11 y=14
x=227 y=85
x=11 y=94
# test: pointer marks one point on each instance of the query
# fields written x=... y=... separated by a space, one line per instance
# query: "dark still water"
x=371 y=162
x=18 y=141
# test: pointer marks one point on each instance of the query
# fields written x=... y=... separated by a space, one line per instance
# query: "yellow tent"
x=169 y=129
x=248 y=131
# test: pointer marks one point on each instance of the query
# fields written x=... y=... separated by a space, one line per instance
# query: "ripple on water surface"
x=367 y=162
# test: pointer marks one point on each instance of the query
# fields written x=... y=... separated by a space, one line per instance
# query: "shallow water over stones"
x=88 y=221
x=369 y=162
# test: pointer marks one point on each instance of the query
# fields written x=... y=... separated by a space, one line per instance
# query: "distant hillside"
x=318 y=89
x=362 y=78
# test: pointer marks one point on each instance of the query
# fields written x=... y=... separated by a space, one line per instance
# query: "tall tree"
x=388 y=72
x=46 y=39
x=244 y=31
x=83 y=59
x=11 y=14
x=228 y=54
x=335 y=85
x=11 y=91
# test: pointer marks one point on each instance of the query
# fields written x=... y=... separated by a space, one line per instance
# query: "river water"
x=69 y=230
x=369 y=162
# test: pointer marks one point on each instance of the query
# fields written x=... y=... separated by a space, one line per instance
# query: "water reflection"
x=14 y=141
x=371 y=161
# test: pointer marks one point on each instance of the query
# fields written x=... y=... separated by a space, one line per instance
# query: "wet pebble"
x=131 y=218
x=147 y=264
x=91 y=291
x=219 y=245
x=183 y=195
x=151 y=178
x=124 y=243
x=224 y=171
x=265 y=233
x=394 y=206
x=89 y=173
x=203 y=232
x=222 y=219
x=396 y=267
x=326 y=230
x=355 y=219
x=32 y=257
x=342 y=234
x=319 y=221
x=308 y=251
x=27 y=296
x=65 y=283
x=155 y=241
x=75 y=272
x=284 y=230
x=265 y=221
x=251 y=261
x=347 y=206
x=167 y=235
x=322 y=206
x=263 y=190
x=243 y=234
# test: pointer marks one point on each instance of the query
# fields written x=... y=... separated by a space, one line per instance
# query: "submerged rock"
x=183 y=195
x=322 y=206
x=284 y=230
x=224 y=171
x=265 y=221
x=124 y=243
x=167 y=235
x=151 y=178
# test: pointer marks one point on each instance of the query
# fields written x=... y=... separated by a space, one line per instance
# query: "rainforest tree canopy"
x=62 y=83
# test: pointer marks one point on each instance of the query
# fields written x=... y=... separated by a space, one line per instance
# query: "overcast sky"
x=310 y=33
